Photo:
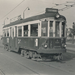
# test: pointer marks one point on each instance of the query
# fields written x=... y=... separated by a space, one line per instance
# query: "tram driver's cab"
x=53 y=29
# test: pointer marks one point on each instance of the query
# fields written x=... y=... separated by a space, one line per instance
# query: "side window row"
x=6 y=32
x=57 y=29
x=21 y=31
x=33 y=30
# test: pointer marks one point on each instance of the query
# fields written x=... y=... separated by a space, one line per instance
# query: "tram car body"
x=44 y=34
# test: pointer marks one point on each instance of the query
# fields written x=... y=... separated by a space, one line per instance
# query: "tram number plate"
x=36 y=42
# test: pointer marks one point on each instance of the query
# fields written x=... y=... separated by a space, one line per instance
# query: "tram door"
x=15 y=39
x=12 y=38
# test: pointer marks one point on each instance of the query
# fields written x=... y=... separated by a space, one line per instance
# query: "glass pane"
x=12 y=32
x=26 y=30
x=57 y=31
x=20 y=31
x=34 y=30
x=51 y=29
x=44 y=29
x=4 y=32
x=8 y=32
x=63 y=29
x=15 y=31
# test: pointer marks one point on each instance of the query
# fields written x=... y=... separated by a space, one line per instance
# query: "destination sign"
x=51 y=10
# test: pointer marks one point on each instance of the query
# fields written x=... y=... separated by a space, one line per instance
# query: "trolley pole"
x=24 y=12
x=5 y=19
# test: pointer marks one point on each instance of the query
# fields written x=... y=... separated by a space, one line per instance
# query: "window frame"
x=52 y=27
x=8 y=31
x=56 y=30
x=64 y=27
x=5 y=33
x=46 y=30
x=37 y=27
x=18 y=31
x=23 y=30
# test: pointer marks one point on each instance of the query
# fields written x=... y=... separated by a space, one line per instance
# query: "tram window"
x=15 y=31
x=4 y=33
x=51 y=29
x=25 y=30
x=34 y=29
x=8 y=32
x=57 y=31
x=20 y=31
x=12 y=32
x=44 y=29
x=63 y=29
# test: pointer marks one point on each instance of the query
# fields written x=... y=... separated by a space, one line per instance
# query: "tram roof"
x=38 y=17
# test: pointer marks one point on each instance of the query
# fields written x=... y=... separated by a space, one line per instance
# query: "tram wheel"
x=30 y=54
x=22 y=53
x=6 y=48
x=36 y=56
x=59 y=57
x=27 y=55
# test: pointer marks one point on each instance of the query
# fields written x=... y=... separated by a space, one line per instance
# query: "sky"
x=36 y=7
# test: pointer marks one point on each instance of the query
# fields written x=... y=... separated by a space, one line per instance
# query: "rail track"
x=44 y=63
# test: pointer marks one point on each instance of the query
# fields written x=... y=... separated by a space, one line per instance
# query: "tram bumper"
x=51 y=51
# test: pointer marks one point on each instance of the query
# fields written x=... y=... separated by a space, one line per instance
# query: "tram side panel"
x=41 y=45
x=6 y=42
x=51 y=45
x=22 y=42
x=27 y=43
x=33 y=43
x=11 y=41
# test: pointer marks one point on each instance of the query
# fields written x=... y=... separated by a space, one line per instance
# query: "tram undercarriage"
x=41 y=56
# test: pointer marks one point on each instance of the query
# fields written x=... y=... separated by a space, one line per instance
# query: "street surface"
x=11 y=63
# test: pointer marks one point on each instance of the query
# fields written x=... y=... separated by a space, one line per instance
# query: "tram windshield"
x=63 y=29
x=54 y=29
x=57 y=31
x=51 y=29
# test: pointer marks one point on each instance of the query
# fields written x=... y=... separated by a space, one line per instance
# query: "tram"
x=38 y=36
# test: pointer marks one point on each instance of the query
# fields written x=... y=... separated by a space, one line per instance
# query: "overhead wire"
x=67 y=7
x=57 y=5
x=12 y=10
x=40 y=12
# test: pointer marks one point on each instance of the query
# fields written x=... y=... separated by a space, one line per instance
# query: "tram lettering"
x=19 y=40
x=36 y=42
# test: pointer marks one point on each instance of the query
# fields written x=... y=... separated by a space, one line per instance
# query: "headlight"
x=57 y=16
x=63 y=45
x=45 y=46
